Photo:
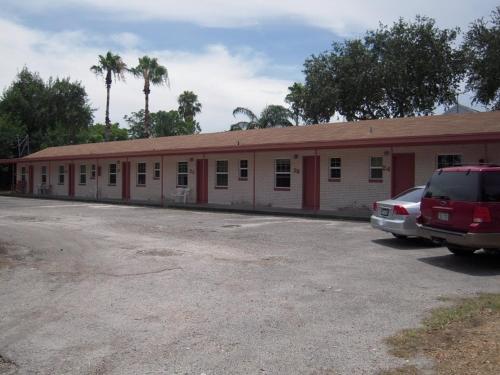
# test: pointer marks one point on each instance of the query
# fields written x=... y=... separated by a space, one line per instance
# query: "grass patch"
x=461 y=339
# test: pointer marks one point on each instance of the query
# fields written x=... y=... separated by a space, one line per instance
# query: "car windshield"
x=491 y=187
x=455 y=186
x=413 y=195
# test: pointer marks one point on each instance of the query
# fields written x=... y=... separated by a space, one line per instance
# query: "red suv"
x=460 y=207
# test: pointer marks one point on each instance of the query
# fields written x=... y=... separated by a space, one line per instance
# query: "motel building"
x=339 y=169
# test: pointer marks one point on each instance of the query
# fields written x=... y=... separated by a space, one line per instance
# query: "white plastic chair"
x=181 y=193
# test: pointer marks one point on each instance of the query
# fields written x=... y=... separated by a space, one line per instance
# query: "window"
x=112 y=174
x=376 y=168
x=92 y=172
x=182 y=174
x=141 y=174
x=413 y=195
x=243 y=170
x=83 y=174
x=444 y=161
x=335 y=168
x=23 y=174
x=44 y=174
x=455 y=186
x=491 y=187
x=60 y=180
x=157 y=169
x=282 y=173
x=221 y=173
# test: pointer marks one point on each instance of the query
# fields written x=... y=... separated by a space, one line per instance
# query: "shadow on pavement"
x=405 y=244
x=478 y=264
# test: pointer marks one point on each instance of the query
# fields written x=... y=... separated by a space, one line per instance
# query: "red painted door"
x=126 y=180
x=310 y=185
x=202 y=181
x=71 y=180
x=31 y=179
x=403 y=172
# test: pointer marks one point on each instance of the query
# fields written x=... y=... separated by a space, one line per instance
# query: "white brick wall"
x=353 y=191
x=238 y=192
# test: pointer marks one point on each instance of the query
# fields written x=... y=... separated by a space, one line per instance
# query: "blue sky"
x=230 y=53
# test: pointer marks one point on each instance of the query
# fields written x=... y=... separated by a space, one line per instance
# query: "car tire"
x=461 y=251
x=400 y=236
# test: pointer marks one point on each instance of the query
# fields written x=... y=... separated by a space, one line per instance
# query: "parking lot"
x=91 y=288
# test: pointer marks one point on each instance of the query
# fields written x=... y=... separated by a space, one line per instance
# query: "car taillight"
x=481 y=215
x=400 y=210
x=375 y=206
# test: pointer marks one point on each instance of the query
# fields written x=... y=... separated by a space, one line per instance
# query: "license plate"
x=384 y=211
x=443 y=216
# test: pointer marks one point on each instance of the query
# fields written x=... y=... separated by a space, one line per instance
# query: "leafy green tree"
x=163 y=124
x=420 y=68
x=172 y=123
x=25 y=102
x=70 y=111
x=403 y=70
x=136 y=127
x=296 y=100
x=270 y=117
x=153 y=74
x=51 y=113
x=482 y=49
x=97 y=133
x=10 y=131
x=109 y=66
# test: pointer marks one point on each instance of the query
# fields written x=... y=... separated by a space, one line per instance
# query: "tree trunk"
x=146 y=112
x=107 y=127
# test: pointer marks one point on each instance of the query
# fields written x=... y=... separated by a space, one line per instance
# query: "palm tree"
x=189 y=106
x=153 y=74
x=109 y=66
x=272 y=116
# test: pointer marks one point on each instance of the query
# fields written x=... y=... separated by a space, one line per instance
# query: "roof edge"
x=489 y=137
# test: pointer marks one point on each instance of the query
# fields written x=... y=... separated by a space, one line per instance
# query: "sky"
x=230 y=53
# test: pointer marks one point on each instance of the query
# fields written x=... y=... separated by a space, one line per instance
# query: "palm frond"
x=245 y=112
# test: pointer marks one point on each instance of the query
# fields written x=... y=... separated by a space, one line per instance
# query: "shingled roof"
x=460 y=128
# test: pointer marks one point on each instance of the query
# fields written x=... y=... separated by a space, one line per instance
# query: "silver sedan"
x=398 y=215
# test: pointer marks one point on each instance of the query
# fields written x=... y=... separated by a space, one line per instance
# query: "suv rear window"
x=491 y=187
x=456 y=186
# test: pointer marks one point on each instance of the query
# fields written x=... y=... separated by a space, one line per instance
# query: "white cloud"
x=342 y=17
x=222 y=80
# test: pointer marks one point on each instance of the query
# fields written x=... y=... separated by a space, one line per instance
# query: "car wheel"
x=460 y=250
x=400 y=236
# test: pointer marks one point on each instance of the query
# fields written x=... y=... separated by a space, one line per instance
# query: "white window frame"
x=137 y=173
x=93 y=171
x=157 y=170
x=83 y=174
x=59 y=175
x=182 y=173
x=454 y=154
x=240 y=169
x=43 y=174
x=373 y=168
x=276 y=173
x=218 y=173
x=110 y=173
x=336 y=168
